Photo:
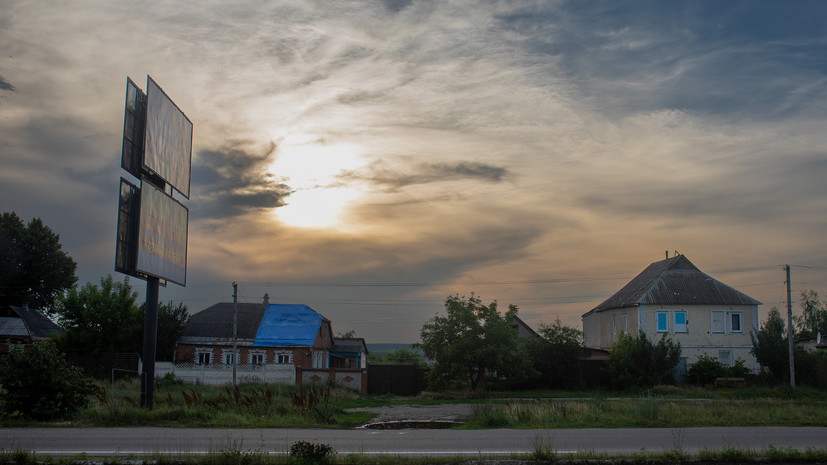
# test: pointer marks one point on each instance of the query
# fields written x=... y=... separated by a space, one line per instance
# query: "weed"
x=308 y=453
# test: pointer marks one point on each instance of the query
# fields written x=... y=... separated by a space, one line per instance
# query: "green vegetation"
x=39 y=384
x=555 y=356
x=647 y=413
x=34 y=269
x=471 y=343
x=634 y=362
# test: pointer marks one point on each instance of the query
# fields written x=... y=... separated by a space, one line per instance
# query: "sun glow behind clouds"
x=318 y=200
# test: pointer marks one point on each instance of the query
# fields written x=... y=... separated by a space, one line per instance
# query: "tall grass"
x=248 y=405
x=648 y=412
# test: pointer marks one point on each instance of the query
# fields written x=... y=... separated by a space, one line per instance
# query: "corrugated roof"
x=12 y=327
x=288 y=325
x=216 y=322
x=38 y=325
x=675 y=281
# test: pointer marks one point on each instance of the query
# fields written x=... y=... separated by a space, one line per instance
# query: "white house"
x=673 y=297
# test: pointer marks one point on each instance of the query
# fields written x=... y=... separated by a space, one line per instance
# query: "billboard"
x=133 y=129
x=162 y=236
x=167 y=140
x=128 y=211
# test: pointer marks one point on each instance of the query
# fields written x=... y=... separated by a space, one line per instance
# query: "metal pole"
x=150 y=341
x=790 y=329
x=235 y=330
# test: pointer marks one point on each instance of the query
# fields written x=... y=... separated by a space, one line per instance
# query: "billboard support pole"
x=150 y=341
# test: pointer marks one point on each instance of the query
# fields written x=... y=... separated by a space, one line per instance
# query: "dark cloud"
x=6 y=85
x=232 y=180
x=396 y=5
x=426 y=173
x=733 y=60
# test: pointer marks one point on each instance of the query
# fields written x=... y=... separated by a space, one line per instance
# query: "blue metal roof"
x=288 y=325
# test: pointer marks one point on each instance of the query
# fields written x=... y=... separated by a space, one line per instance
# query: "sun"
x=311 y=169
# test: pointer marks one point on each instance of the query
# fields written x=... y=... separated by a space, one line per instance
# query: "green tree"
x=634 y=362
x=171 y=322
x=40 y=384
x=100 y=319
x=556 y=355
x=771 y=348
x=470 y=341
x=400 y=357
x=814 y=315
x=34 y=269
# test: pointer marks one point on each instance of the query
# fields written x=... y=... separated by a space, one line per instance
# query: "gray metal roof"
x=37 y=324
x=12 y=327
x=675 y=281
x=216 y=322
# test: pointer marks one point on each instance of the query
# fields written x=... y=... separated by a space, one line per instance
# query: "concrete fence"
x=219 y=373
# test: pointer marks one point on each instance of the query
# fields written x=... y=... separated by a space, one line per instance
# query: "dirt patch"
x=416 y=416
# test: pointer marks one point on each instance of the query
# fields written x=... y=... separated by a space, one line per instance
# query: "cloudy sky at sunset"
x=369 y=158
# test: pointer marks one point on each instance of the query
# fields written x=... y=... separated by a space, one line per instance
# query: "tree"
x=171 y=322
x=40 y=384
x=397 y=357
x=770 y=346
x=34 y=269
x=556 y=355
x=471 y=340
x=634 y=362
x=814 y=316
x=100 y=319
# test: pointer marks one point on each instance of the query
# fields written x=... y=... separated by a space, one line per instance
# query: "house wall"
x=698 y=338
x=188 y=353
x=601 y=329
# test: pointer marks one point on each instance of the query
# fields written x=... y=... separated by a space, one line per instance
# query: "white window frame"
x=723 y=317
x=680 y=328
x=658 y=328
x=725 y=357
x=625 y=325
x=283 y=358
x=614 y=325
x=253 y=354
x=203 y=352
x=740 y=316
x=227 y=356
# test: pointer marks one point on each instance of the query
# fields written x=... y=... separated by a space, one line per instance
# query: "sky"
x=371 y=158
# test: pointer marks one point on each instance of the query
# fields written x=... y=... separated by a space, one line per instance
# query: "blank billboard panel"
x=133 y=129
x=125 y=243
x=168 y=139
x=162 y=236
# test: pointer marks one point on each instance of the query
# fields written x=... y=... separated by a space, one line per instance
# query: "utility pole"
x=235 y=330
x=790 y=328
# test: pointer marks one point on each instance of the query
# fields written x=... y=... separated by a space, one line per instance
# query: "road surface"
x=113 y=442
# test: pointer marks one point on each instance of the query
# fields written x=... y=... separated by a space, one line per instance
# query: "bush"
x=39 y=383
x=310 y=453
x=634 y=362
x=705 y=370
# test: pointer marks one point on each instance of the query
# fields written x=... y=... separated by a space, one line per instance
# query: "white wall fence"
x=219 y=373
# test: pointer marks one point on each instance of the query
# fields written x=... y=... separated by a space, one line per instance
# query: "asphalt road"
x=411 y=442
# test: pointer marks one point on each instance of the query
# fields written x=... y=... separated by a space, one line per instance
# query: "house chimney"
x=266 y=299
x=667 y=255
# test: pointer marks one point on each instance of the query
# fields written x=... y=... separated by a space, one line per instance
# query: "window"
x=614 y=326
x=257 y=359
x=725 y=357
x=680 y=322
x=228 y=357
x=283 y=358
x=735 y=322
x=718 y=321
x=662 y=322
x=625 y=325
x=203 y=356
